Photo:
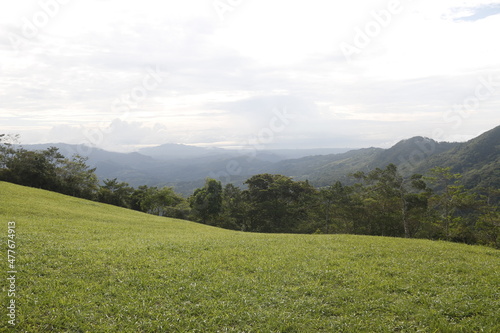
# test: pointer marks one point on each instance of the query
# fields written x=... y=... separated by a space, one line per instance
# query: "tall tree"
x=234 y=208
x=162 y=202
x=277 y=203
x=47 y=169
x=488 y=224
x=391 y=198
x=339 y=207
x=77 y=178
x=206 y=202
x=115 y=193
x=7 y=150
x=452 y=201
x=34 y=168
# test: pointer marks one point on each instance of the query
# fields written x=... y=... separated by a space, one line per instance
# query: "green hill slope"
x=88 y=267
x=327 y=169
x=478 y=160
x=324 y=170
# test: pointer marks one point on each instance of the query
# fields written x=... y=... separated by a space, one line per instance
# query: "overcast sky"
x=122 y=74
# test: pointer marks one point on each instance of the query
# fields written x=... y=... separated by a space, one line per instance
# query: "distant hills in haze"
x=186 y=167
x=171 y=151
x=182 y=166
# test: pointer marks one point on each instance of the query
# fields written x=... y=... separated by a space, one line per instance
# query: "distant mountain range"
x=182 y=166
x=185 y=167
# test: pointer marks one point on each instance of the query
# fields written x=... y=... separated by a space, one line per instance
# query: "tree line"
x=382 y=202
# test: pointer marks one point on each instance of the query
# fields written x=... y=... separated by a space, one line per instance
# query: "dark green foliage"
x=161 y=202
x=31 y=168
x=137 y=198
x=383 y=203
x=392 y=200
x=341 y=209
x=47 y=169
x=206 y=202
x=487 y=222
x=234 y=208
x=78 y=179
x=115 y=193
x=277 y=203
x=456 y=208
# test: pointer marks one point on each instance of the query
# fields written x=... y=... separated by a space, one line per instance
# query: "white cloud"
x=222 y=79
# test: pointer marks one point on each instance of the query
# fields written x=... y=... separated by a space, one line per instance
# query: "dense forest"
x=383 y=201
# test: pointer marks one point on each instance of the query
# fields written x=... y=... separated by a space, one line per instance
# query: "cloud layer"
x=126 y=74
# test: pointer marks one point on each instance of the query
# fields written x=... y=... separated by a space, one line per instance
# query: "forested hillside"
x=478 y=160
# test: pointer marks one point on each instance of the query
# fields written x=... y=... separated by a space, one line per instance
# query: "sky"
x=126 y=74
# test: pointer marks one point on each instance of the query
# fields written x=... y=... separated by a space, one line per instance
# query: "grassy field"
x=88 y=267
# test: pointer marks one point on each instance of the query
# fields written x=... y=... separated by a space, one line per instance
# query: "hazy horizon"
x=256 y=146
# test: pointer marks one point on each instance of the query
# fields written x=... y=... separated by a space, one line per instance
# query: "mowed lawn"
x=89 y=267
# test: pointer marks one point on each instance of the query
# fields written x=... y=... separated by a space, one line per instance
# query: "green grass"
x=89 y=267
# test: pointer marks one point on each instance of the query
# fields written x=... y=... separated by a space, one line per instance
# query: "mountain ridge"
x=188 y=166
